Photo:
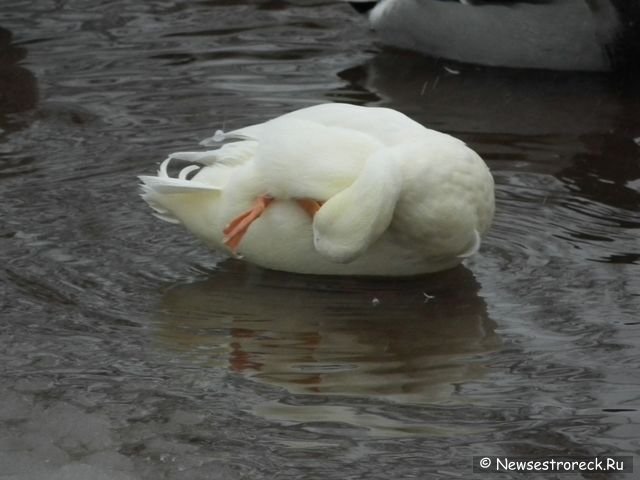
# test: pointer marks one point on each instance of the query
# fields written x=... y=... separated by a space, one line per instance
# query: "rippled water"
x=128 y=351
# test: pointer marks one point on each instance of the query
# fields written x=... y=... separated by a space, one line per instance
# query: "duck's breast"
x=447 y=197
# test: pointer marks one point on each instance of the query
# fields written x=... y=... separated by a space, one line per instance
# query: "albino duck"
x=332 y=189
x=588 y=35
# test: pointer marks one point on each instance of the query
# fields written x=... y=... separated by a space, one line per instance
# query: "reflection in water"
x=466 y=99
x=409 y=341
x=18 y=93
x=608 y=169
x=18 y=88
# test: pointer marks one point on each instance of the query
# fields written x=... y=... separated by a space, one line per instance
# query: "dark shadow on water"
x=18 y=86
x=608 y=170
x=409 y=340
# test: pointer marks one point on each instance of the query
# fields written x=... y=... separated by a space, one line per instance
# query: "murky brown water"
x=128 y=351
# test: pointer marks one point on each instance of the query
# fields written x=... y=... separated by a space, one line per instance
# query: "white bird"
x=588 y=35
x=332 y=189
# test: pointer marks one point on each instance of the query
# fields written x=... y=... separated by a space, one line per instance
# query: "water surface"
x=128 y=351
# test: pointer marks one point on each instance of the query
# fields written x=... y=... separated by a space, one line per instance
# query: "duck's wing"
x=386 y=125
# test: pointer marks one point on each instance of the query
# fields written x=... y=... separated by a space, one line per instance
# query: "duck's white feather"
x=398 y=199
x=175 y=185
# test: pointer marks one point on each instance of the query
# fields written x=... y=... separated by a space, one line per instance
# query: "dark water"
x=128 y=351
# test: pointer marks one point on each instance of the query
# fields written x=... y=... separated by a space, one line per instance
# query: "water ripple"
x=130 y=351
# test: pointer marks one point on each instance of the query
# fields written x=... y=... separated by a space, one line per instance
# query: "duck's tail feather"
x=166 y=195
x=169 y=186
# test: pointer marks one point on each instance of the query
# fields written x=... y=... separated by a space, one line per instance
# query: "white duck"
x=333 y=189
x=589 y=35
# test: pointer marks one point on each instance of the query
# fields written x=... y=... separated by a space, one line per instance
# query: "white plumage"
x=394 y=198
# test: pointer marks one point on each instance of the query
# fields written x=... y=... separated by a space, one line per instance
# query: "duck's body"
x=586 y=35
x=392 y=197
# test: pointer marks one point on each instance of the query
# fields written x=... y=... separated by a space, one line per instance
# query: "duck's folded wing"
x=234 y=153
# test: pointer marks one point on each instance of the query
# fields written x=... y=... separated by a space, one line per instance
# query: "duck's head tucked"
x=333 y=189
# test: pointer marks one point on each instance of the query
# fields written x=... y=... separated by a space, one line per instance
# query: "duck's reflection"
x=406 y=340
